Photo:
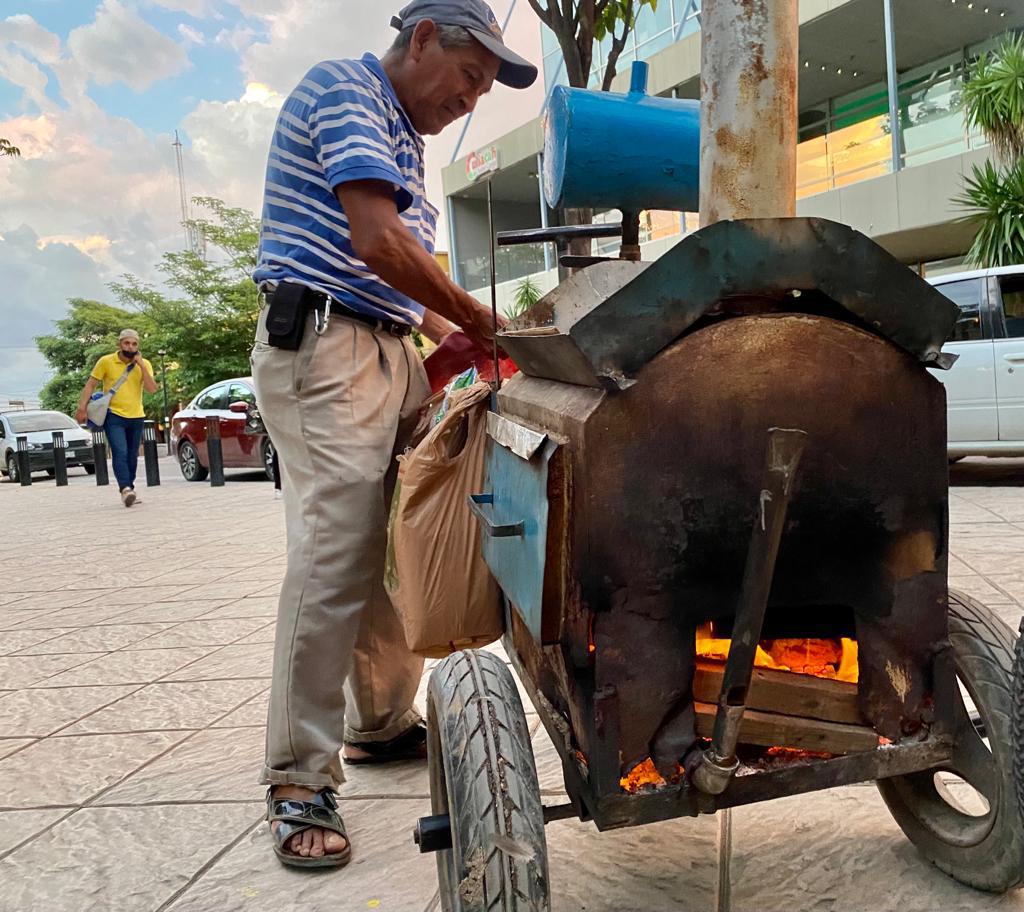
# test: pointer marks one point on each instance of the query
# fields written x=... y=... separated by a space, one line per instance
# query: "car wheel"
x=268 y=458
x=51 y=473
x=12 y=467
x=90 y=469
x=188 y=459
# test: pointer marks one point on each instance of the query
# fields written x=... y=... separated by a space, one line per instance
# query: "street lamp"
x=167 y=418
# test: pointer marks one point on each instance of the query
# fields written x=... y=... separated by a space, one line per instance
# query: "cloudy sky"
x=92 y=92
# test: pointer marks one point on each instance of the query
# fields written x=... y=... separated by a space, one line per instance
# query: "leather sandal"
x=410 y=745
x=293 y=816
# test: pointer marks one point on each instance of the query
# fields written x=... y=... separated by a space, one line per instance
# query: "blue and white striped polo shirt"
x=342 y=123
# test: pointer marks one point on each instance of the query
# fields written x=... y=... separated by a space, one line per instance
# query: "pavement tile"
x=14 y=620
x=54 y=599
x=68 y=771
x=252 y=714
x=202 y=633
x=253 y=606
x=195 y=704
x=142 y=666
x=92 y=613
x=141 y=595
x=838 y=850
x=981 y=588
x=12 y=641
x=263 y=635
x=215 y=765
x=95 y=639
x=9 y=598
x=37 y=713
x=391 y=780
x=118 y=859
x=24 y=671
x=386 y=872
x=164 y=612
x=9 y=746
x=214 y=591
x=17 y=826
x=251 y=661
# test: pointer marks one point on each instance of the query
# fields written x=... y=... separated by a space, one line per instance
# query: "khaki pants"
x=338 y=410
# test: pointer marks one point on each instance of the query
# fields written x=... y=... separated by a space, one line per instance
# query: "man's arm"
x=148 y=383
x=382 y=241
x=90 y=388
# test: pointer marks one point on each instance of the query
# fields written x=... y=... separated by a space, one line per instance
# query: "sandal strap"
x=294 y=815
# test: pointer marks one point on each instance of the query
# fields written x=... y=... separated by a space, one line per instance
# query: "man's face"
x=445 y=83
x=129 y=349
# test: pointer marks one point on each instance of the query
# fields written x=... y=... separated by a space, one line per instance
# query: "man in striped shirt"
x=346 y=270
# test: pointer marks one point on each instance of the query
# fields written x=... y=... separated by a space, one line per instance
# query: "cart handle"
x=477 y=502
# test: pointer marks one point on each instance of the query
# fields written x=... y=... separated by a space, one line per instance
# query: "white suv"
x=985 y=388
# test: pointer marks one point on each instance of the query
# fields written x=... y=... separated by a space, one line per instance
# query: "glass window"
x=240 y=392
x=967 y=295
x=31 y=422
x=1012 y=289
x=548 y=41
x=651 y=23
x=215 y=398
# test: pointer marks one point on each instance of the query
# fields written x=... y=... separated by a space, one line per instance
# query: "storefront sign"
x=482 y=162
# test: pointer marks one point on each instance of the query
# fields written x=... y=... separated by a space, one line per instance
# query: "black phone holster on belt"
x=287 y=308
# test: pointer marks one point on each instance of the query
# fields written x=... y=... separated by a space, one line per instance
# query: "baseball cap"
x=128 y=334
x=475 y=17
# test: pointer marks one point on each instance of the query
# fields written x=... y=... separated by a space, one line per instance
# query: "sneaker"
x=127 y=497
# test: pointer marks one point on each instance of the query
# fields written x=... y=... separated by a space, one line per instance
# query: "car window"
x=1012 y=289
x=241 y=393
x=213 y=399
x=31 y=422
x=967 y=295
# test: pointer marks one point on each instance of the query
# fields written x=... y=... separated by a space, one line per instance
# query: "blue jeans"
x=124 y=436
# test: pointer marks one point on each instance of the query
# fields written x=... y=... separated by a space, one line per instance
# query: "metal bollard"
x=60 y=459
x=150 y=454
x=24 y=463
x=275 y=461
x=215 y=452
x=99 y=458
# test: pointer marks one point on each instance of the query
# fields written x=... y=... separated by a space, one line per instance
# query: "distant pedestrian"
x=125 y=419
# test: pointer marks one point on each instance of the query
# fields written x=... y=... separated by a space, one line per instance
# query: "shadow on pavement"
x=979 y=471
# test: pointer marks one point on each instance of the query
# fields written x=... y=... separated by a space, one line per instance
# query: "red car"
x=244 y=440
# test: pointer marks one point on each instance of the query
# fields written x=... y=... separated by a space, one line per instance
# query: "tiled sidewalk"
x=134 y=666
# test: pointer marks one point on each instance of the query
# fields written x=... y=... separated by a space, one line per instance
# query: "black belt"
x=317 y=302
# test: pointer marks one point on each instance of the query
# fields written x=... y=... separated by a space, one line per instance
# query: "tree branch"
x=543 y=13
x=618 y=45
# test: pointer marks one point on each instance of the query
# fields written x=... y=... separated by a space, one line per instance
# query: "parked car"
x=37 y=426
x=985 y=388
x=244 y=440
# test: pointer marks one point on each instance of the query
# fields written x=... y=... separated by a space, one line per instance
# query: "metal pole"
x=895 y=130
x=549 y=262
x=167 y=417
x=494 y=292
x=748 y=111
x=24 y=462
x=723 y=893
x=99 y=458
x=453 y=247
x=60 y=460
x=150 y=454
x=215 y=452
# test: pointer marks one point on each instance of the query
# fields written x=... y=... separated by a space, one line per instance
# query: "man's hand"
x=80 y=416
x=480 y=328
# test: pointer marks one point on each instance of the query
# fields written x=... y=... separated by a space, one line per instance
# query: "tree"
x=206 y=325
x=577 y=24
x=994 y=195
x=7 y=149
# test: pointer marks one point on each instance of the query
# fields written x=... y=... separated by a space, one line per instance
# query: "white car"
x=37 y=427
x=985 y=388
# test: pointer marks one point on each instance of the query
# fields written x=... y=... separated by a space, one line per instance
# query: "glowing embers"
x=645 y=777
x=835 y=659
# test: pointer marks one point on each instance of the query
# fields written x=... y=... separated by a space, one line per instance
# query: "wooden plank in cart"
x=772 y=730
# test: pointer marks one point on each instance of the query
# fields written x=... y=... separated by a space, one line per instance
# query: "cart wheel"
x=482 y=773
x=974 y=834
x=1018 y=716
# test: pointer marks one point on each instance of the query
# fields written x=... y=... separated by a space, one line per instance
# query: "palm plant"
x=527 y=293
x=7 y=149
x=994 y=103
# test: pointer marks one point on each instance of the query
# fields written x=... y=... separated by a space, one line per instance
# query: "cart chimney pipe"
x=748 y=113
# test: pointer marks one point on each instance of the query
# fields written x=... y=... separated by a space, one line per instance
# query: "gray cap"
x=475 y=17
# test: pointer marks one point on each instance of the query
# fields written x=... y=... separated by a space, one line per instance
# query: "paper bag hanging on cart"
x=441 y=588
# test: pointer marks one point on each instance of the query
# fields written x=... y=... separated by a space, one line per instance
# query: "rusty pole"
x=748 y=114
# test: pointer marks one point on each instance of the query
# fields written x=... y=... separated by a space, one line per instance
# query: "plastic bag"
x=435 y=573
x=456 y=353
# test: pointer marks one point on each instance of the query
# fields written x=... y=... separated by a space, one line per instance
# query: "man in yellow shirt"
x=125 y=418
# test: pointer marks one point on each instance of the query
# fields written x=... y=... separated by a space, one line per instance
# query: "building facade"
x=893 y=182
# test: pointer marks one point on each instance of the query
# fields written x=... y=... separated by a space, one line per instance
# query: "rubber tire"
x=90 y=469
x=1018 y=717
x=983 y=650
x=201 y=472
x=268 y=466
x=51 y=473
x=12 y=468
x=482 y=773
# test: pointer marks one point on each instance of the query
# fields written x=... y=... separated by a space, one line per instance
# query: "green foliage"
x=527 y=294
x=994 y=97
x=996 y=199
x=206 y=326
x=577 y=24
x=7 y=149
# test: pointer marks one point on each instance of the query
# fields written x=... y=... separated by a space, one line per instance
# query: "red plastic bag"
x=457 y=353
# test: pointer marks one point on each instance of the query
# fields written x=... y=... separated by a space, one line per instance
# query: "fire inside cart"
x=717 y=506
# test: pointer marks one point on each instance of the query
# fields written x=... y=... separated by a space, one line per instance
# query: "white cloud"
x=196 y=8
x=119 y=46
x=190 y=35
x=23 y=30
